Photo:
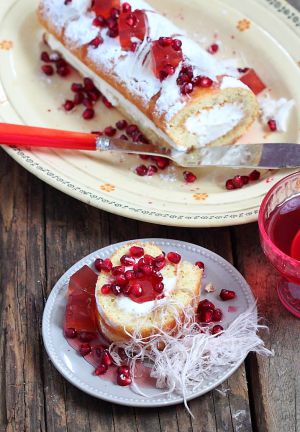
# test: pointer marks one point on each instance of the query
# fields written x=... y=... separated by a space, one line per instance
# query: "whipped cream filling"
x=211 y=124
x=125 y=304
x=275 y=109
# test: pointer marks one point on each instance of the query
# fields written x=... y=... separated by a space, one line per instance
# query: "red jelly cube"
x=252 y=80
x=166 y=54
x=104 y=7
x=81 y=304
x=132 y=25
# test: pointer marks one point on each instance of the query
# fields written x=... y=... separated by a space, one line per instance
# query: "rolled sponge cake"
x=119 y=316
x=210 y=116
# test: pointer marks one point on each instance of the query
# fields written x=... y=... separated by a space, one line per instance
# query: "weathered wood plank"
x=275 y=381
x=21 y=298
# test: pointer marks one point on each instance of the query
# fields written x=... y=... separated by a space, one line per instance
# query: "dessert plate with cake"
x=148 y=72
x=150 y=322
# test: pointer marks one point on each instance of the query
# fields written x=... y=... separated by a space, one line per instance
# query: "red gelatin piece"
x=295 y=248
x=252 y=80
x=145 y=288
x=80 y=309
x=164 y=57
x=132 y=25
x=104 y=7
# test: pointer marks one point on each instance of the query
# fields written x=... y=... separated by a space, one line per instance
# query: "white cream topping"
x=213 y=123
x=81 y=31
x=59 y=14
x=230 y=82
x=125 y=304
x=275 y=109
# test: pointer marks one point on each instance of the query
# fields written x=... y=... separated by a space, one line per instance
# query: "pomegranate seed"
x=159 y=276
x=88 y=114
x=141 y=170
x=205 y=315
x=124 y=137
x=199 y=264
x=237 y=182
x=106 y=265
x=152 y=169
x=159 y=262
x=159 y=287
x=174 y=257
x=93 y=95
x=68 y=105
x=161 y=162
x=131 y=129
x=116 y=289
x=165 y=41
x=118 y=270
x=110 y=131
x=106 y=359
x=205 y=304
x=229 y=184
x=217 y=315
x=63 y=71
x=70 y=333
x=106 y=102
x=186 y=88
x=148 y=259
x=61 y=63
x=121 y=124
x=121 y=280
x=127 y=260
x=45 y=57
x=182 y=79
x=96 y=42
x=112 y=23
x=87 y=103
x=127 y=290
x=169 y=70
x=188 y=70
x=115 y=13
x=100 y=21
x=176 y=44
x=88 y=84
x=245 y=180
x=123 y=369
x=98 y=351
x=47 y=70
x=78 y=98
x=136 y=251
x=144 y=157
x=113 y=32
x=123 y=380
x=133 y=46
x=66 y=2
x=106 y=289
x=126 y=8
x=140 y=263
x=76 y=87
x=202 y=81
x=213 y=48
x=189 y=177
x=101 y=369
x=272 y=125
x=137 y=290
x=87 y=336
x=216 y=329
x=227 y=294
x=85 y=349
x=98 y=264
x=143 y=139
x=254 y=175
x=147 y=269
x=129 y=274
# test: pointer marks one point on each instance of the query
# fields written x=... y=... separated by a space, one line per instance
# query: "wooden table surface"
x=42 y=233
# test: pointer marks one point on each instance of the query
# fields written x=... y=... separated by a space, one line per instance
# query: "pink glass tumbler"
x=289 y=285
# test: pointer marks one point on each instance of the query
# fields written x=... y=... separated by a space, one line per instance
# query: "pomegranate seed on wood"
x=227 y=294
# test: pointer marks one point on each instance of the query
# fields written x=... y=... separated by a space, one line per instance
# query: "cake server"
x=263 y=155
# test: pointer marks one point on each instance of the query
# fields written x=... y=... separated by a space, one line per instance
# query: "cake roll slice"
x=150 y=70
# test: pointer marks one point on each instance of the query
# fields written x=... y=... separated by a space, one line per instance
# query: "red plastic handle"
x=29 y=136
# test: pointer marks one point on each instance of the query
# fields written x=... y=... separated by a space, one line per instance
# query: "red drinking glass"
x=279 y=226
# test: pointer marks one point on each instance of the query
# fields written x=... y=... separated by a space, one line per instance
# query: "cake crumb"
x=209 y=288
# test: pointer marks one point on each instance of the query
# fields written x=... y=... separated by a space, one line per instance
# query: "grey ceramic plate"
x=80 y=373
